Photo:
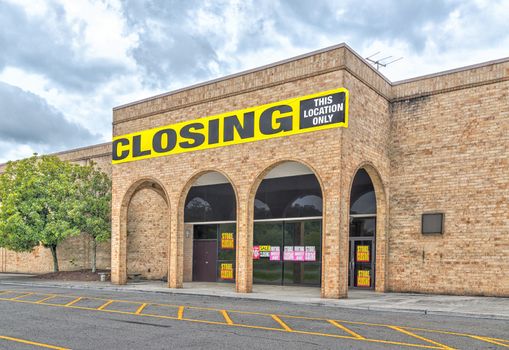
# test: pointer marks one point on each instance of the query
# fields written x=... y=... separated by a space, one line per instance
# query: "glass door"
x=361 y=264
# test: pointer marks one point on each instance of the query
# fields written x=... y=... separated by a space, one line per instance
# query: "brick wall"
x=450 y=153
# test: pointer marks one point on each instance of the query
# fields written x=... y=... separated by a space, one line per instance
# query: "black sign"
x=323 y=110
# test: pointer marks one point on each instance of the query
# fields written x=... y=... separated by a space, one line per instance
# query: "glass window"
x=362 y=198
x=205 y=231
x=303 y=234
x=210 y=203
x=266 y=270
x=292 y=196
x=362 y=227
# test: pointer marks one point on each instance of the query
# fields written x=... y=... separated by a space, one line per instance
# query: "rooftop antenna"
x=380 y=62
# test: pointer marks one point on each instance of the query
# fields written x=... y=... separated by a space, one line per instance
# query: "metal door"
x=205 y=260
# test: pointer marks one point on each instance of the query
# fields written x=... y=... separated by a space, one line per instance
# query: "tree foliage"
x=94 y=192
x=44 y=200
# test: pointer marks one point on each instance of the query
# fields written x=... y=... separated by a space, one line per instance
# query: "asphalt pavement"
x=33 y=317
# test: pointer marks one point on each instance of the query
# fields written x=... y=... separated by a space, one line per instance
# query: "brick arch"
x=382 y=220
x=177 y=257
x=145 y=183
x=247 y=286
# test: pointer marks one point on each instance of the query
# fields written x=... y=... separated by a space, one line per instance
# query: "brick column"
x=244 y=261
x=332 y=255
x=118 y=242
x=176 y=250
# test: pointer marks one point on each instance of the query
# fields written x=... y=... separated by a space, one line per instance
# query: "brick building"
x=404 y=188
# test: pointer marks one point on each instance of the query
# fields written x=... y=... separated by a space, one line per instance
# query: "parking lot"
x=193 y=322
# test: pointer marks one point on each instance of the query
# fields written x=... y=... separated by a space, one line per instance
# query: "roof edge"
x=452 y=71
x=253 y=70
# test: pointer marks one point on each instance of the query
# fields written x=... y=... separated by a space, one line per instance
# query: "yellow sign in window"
x=363 y=278
x=362 y=253
x=227 y=240
x=226 y=271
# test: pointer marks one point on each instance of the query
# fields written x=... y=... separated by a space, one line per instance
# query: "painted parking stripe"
x=21 y=296
x=226 y=317
x=443 y=346
x=180 y=313
x=281 y=323
x=74 y=301
x=347 y=330
x=24 y=341
x=140 y=309
x=45 y=299
x=489 y=340
x=105 y=305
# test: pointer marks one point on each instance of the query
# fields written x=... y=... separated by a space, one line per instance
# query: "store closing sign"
x=324 y=110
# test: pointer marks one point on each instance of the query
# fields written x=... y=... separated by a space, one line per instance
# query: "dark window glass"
x=432 y=223
x=281 y=234
x=205 y=231
x=210 y=203
x=288 y=197
x=303 y=233
x=362 y=227
x=264 y=270
x=362 y=198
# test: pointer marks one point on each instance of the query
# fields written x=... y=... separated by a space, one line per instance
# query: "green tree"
x=94 y=206
x=39 y=204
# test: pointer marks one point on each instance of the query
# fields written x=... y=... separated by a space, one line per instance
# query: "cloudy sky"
x=65 y=64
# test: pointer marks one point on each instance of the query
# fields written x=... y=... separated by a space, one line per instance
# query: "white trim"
x=363 y=215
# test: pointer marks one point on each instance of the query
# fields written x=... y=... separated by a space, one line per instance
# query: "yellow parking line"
x=226 y=317
x=74 y=301
x=349 y=331
x=180 y=313
x=443 y=346
x=281 y=323
x=47 y=346
x=105 y=305
x=285 y=328
x=489 y=340
x=140 y=309
x=21 y=296
x=43 y=300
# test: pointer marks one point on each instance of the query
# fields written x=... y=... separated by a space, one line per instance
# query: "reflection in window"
x=198 y=208
x=261 y=209
x=292 y=196
x=210 y=203
x=362 y=199
x=307 y=205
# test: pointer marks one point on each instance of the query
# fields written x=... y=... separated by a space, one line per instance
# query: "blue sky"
x=65 y=64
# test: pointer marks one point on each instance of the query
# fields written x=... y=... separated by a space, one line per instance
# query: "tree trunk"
x=94 y=254
x=53 y=249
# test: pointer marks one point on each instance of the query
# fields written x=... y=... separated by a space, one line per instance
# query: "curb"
x=325 y=302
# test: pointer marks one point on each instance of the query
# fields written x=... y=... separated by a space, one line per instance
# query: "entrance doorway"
x=204 y=260
x=210 y=214
x=361 y=262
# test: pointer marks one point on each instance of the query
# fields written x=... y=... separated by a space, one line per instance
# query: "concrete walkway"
x=462 y=306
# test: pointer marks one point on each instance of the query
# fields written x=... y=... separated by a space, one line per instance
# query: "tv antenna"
x=380 y=62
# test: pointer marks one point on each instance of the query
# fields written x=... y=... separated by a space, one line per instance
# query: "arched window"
x=362 y=198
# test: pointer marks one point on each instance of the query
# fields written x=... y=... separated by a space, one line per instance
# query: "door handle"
x=206 y=262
